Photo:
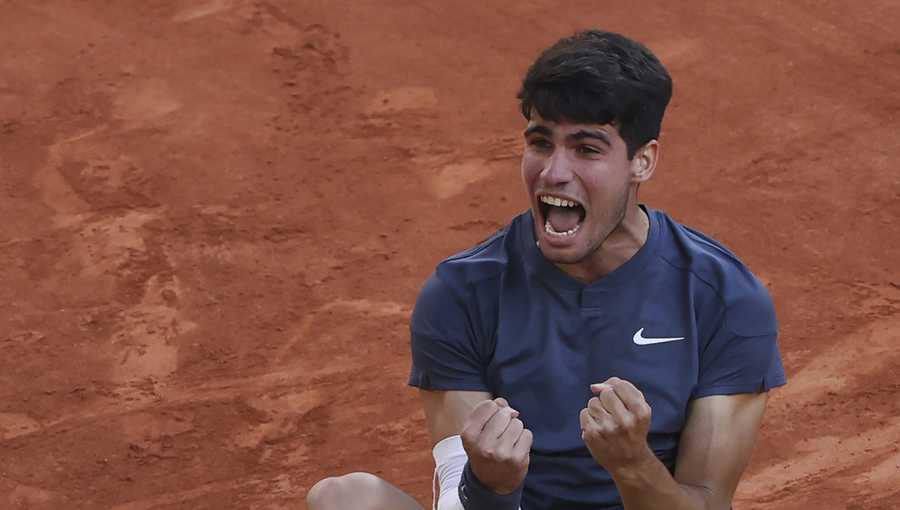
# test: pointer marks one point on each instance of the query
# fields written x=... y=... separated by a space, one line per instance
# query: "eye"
x=588 y=150
x=540 y=143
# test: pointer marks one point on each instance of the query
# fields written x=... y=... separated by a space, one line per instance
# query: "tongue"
x=563 y=218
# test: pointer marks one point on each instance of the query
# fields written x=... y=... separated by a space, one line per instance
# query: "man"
x=594 y=353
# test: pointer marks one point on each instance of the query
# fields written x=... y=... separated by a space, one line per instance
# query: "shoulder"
x=486 y=261
x=746 y=303
x=466 y=283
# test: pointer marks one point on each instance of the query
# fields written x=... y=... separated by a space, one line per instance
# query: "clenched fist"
x=614 y=425
x=498 y=445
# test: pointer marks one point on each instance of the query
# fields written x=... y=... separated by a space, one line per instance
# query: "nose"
x=557 y=170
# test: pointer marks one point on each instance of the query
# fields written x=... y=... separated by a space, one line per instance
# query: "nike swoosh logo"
x=640 y=340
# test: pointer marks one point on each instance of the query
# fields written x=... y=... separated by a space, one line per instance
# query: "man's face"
x=578 y=178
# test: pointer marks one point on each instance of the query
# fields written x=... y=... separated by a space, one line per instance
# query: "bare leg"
x=358 y=491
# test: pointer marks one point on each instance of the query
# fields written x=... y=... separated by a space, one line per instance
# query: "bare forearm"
x=650 y=486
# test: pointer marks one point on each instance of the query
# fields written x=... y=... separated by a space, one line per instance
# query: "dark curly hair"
x=597 y=77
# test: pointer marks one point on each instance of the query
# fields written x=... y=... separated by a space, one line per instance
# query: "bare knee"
x=323 y=494
x=353 y=490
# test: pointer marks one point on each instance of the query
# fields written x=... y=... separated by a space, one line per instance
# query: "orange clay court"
x=217 y=215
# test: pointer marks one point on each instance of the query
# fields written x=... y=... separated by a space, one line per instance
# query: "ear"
x=644 y=162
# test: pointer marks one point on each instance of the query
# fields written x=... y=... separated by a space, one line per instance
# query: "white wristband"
x=449 y=460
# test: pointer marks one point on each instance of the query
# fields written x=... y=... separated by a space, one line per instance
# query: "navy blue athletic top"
x=501 y=318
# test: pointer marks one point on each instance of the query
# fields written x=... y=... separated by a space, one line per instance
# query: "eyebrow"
x=538 y=129
x=576 y=136
x=591 y=133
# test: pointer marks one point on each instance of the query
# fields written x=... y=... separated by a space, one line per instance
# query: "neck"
x=619 y=247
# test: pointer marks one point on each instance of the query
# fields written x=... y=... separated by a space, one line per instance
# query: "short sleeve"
x=743 y=355
x=445 y=353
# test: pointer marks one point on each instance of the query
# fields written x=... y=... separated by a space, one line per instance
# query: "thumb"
x=598 y=388
x=500 y=401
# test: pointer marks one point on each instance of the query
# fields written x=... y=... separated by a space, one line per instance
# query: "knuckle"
x=642 y=414
x=486 y=405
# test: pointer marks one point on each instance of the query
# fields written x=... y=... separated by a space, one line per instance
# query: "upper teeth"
x=558 y=202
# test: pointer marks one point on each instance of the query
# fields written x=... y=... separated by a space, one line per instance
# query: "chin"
x=564 y=249
x=559 y=255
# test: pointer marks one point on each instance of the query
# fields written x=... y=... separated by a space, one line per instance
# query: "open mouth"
x=562 y=216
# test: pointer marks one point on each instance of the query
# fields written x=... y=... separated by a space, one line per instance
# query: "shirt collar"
x=539 y=266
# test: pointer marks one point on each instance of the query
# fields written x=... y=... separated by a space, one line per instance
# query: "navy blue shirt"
x=500 y=318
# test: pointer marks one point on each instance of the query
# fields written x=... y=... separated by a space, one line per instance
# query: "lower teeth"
x=549 y=229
